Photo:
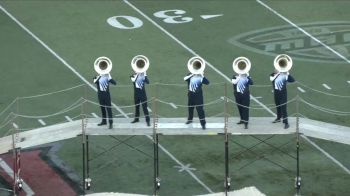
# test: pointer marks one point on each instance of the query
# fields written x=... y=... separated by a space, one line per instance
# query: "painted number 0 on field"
x=131 y=22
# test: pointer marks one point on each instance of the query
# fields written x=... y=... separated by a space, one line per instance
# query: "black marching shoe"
x=240 y=122
x=245 y=125
x=286 y=125
x=203 y=127
x=148 y=124
x=188 y=122
x=276 y=120
x=135 y=121
x=110 y=126
x=101 y=123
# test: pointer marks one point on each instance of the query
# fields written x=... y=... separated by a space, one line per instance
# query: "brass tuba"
x=241 y=65
x=140 y=63
x=103 y=65
x=283 y=63
x=196 y=65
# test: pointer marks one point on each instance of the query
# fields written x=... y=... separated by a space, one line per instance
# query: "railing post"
x=227 y=177
x=86 y=180
x=156 y=180
x=155 y=147
x=297 y=178
x=14 y=164
x=17 y=181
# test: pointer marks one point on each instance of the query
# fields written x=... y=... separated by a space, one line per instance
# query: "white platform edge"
x=176 y=126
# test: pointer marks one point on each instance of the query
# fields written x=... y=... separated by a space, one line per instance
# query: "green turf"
x=78 y=32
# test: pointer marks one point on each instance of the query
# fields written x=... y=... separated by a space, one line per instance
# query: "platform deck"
x=175 y=126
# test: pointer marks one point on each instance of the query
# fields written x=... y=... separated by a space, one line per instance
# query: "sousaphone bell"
x=283 y=63
x=196 y=65
x=241 y=65
x=103 y=65
x=140 y=63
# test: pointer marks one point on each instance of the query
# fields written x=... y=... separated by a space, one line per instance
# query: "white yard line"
x=9 y=172
x=210 y=65
x=182 y=165
x=303 y=31
x=191 y=51
x=326 y=86
x=327 y=154
x=56 y=55
x=301 y=90
x=122 y=112
x=42 y=122
x=214 y=68
x=93 y=87
x=323 y=44
x=349 y=81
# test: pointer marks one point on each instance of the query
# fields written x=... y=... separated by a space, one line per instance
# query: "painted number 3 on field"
x=131 y=22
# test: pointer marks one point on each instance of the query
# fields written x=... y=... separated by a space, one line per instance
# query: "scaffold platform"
x=174 y=126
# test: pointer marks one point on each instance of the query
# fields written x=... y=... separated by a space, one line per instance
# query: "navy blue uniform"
x=242 y=95
x=279 y=83
x=195 y=96
x=104 y=97
x=140 y=98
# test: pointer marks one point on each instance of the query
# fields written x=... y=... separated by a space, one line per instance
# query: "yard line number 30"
x=131 y=22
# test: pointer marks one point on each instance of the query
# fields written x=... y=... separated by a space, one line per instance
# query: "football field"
x=47 y=50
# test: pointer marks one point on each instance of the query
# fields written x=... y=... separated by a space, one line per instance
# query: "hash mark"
x=301 y=90
x=41 y=122
x=15 y=125
x=68 y=118
x=326 y=86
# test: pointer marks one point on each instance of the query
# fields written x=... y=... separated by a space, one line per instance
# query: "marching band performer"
x=140 y=98
x=104 y=97
x=241 y=84
x=195 y=96
x=279 y=82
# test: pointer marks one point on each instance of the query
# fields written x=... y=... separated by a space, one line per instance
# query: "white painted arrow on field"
x=210 y=16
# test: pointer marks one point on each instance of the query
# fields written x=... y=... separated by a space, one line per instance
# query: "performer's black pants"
x=105 y=101
x=243 y=103
x=140 y=98
x=281 y=105
x=196 y=100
